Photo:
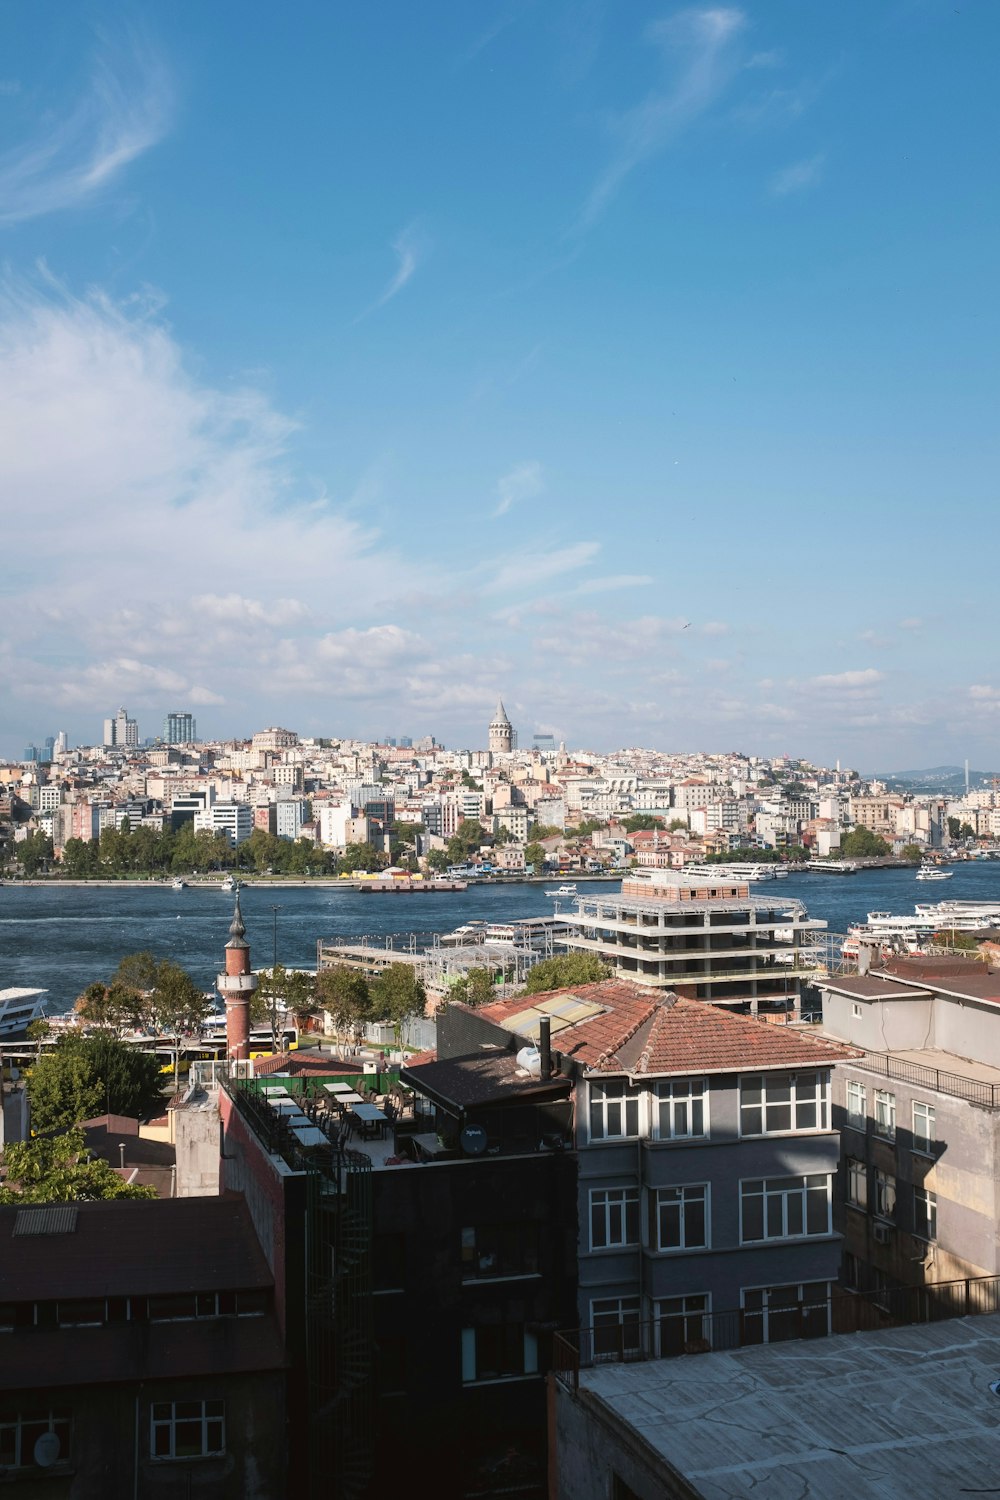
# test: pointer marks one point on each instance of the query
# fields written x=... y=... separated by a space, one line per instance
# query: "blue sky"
x=634 y=362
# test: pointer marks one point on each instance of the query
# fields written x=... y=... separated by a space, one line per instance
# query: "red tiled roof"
x=642 y=1033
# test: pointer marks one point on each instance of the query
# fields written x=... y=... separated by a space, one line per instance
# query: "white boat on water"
x=229 y=884
x=178 y=884
x=564 y=893
x=740 y=871
x=932 y=872
x=18 y=1008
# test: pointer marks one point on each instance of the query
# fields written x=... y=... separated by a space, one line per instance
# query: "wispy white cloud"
x=410 y=247
x=797 y=177
x=516 y=574
x=125 y=110
x=699 y=45
x=523 y=482
x=867 y=677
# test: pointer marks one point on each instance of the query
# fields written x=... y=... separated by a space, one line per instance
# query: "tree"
x=474 y=988
x=83 y=1076
x=397 y=994
x=344 y=993
x=566 y=969
x=114 y=1007
x=966 y=831
x=33 y=852
x=911 y=852
x=641 y=823
x=281 y=990
x=437 y=860
x=534 y=854
x=361 y=857
x=544 y=831
x=954 y=829
x=861 y=843
x=61 y=1170
x=467 y=840
x=586 y=827
x=677 y=825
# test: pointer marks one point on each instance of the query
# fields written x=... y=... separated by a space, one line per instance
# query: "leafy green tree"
x=641 y=823
x=911 y=852
x=79 y=859
x=474 y=988
x=544 y=831
x=344 y=993
x=966 y=831
x=61 y=1170
x=586 y=827
x=397 y=994
x=534 y=854
x=954 y=829
x=438 y=861
x=566 y=969
x=34 y=852
x=861 y=843
x=281 y=990
x=361 y=857
x=82 y=1076
x=467 y=840
x=115 y=1007
x=677 y=825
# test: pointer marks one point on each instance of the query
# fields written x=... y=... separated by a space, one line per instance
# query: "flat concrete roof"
x=897 y=1412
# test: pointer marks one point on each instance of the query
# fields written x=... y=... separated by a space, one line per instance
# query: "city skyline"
x=626 y=364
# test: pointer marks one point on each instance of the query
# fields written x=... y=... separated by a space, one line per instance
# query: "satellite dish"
x=473 y=1140
x=46 y=1450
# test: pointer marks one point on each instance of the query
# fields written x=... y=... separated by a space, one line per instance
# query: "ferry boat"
x=741 y=872
x=933 y=872
x=18 y=1008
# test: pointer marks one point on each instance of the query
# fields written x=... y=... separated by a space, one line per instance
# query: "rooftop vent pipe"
x=545 y=1045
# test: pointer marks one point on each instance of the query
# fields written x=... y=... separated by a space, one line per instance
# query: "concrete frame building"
x=180 y=729
x=703 y=939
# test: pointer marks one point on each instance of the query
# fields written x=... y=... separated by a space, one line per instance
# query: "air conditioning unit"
x=882 y=1233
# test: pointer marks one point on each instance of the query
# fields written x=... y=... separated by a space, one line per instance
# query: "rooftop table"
x=310 y=1135
x=428 y=1145
x=286 y=1106
x=351 y=1099
x=275 y=1091
x=339 y=1088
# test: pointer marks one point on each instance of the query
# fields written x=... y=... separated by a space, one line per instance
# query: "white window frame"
x=923 y=1139
x=170 y=1423
x=623 y=1310
x=602 y=1102
x=687 y=1317
x=700 y=1192
x=927 y=1212
x=815 y=1099
x=885 y=1114
x=884 y=1204
x=25 y=1414
x=785 y=1194
x=674 y=1097
x=857 y=1183
x=857 y=1119
x=765 y=1312
x=614 y=1205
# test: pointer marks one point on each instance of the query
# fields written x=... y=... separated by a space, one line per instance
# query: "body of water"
x=62 y=938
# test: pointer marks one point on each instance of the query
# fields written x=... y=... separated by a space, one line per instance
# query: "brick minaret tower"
x=236 y=986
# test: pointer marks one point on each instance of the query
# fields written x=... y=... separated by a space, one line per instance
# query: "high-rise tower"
x=501 y=731
x=236 y=986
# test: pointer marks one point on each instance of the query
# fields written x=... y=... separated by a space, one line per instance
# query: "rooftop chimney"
x=545 y=1045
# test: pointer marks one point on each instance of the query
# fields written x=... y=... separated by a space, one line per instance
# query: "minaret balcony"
x=236 y=984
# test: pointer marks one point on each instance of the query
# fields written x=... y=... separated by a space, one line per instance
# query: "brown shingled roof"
x=644 y=1033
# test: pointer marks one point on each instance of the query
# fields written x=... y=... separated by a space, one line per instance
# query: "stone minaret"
x=501 y=732
x=236 y=986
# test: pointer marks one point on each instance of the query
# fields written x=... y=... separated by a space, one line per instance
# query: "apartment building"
x=919 y=1114
x=704 y=939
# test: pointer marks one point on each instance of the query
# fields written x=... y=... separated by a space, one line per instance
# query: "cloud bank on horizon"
x=229 y=491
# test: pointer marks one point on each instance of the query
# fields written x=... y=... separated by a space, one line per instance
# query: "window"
x=21 y=1427
x=857 y=1105
x=614 y=1217
x=851 y=1277
x=856 y=1011
x=679 y=1109
x=781 y=1208
x=498 y=1351
x=885 y=1195
x=924 y=1214
x=683 y=1325
x=923 y=1127
x=681 y=1218
x=857 y=1183
x=614 y=1110
x=500 y=1250
x=773 y=1313
x=771 y=1103
x=187 y=1429
x=616 y=1327
x=885 y=1114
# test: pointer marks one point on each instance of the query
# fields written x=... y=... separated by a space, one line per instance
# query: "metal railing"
x=973 y=1090
x=671 y=1336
